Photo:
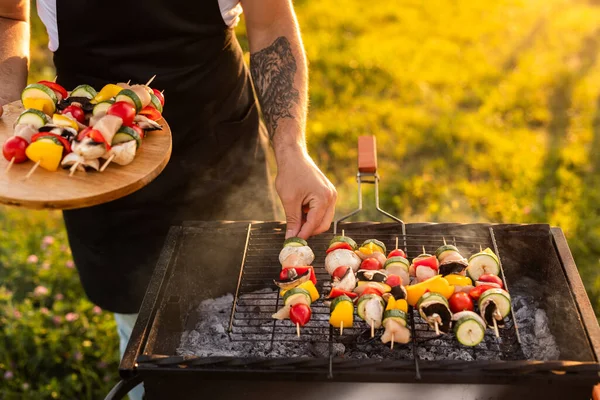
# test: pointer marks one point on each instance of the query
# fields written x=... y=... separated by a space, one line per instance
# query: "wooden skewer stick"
x=298 y=329
x=150 y=81
x=494 y=316
x=372 y=328
x=74 y=168
x=9 y=166
x=32 y=170
x=437 y=328
x=55 y=78
x=424 y=252
x=343 y=233
x=444 y=239
x=471 y=335
x=341 y=328
x=128 y=81
x=396 y=242
x=107 y=162
x=480 y=248
x=162 y=91
x=392 y=344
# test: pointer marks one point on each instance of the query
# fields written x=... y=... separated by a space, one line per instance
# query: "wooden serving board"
x=56 y=190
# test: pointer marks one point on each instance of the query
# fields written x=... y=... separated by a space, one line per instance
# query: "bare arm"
x=14 y=48
x=280 y=74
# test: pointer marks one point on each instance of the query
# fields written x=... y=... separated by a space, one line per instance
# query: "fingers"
x=328 y=218
x=313 y=219
x=293 y=217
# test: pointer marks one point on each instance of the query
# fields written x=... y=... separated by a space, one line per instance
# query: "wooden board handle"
x=367 y=154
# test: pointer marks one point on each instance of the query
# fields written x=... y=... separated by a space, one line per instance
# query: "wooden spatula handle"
x=367 y=154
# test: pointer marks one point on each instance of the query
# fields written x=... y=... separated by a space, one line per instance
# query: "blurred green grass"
x=483 y=111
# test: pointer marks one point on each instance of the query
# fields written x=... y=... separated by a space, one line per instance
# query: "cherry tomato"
x=14 y=147
x=393 y=280
x=337 y=246
x=370 y=263
x=76 y=112
x=300 y=314
x=476 y=292
x=123 y=110
x=397 y=253
x=151 y=113
x=160 y=96
x=491 y=279
x=460 y=302
x=56 y=87
x=340 y=272
x=139 y=130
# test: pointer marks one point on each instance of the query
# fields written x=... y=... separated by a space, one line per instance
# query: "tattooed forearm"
x=273 y=69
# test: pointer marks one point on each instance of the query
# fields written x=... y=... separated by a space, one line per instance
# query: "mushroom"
x=371 y=275
x=347 y=283
x=293 y=281
x=146 y=123
x=489 y=312
x=453 y=267
x=435 y=311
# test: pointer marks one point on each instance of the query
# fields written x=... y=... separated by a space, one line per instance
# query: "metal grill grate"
x=257 y=298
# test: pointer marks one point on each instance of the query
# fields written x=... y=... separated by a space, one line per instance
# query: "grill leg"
x=121 y=389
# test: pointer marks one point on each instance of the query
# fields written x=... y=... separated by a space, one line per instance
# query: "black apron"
x=217 y=168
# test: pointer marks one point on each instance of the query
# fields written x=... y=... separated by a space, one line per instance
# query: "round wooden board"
x=56 y=190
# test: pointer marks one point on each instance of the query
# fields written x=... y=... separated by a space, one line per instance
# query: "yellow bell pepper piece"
x=401 y=305
x=390 y=304
x=108 y=92
x=63 y=120
x=435 y=284
x=308 y=286
x=458 y=280
x=343 y=312
x=44 y=105
x=370 y=248
x=47 y=153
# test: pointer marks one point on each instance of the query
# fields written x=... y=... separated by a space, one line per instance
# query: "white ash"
x=211 y=338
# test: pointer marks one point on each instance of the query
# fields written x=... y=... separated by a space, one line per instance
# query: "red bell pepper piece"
x=491 y=279
x=283 y=275
x=476 y=292
x=337 y=246
x=430 y=262
x=56 y=87
x=151 y=112
x=335 y=292
x=372 y=290
x=393 y=280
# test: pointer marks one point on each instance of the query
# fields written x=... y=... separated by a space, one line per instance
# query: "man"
x=217 y=169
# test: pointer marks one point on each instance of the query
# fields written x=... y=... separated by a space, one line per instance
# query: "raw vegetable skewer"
x=10 y=164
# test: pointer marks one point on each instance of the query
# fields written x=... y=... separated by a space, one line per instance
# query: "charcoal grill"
x=205 y=260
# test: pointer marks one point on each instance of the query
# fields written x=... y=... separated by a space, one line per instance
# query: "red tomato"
x=430 y=262
x=76 y=112
x=300 y=314
x=284 y=274
x=340 y=272
x=337 y=246
x=123 y=110
x=370 y=263
x=460 y=302
x=393 y=280
x=397 y=253
x=151 y=113
x=14 y=147
x=139 y=130
x=160 y=96
x=56 y=87
x=476 y=292
x=491 y=279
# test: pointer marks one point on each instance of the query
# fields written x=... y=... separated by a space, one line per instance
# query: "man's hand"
x=301 y=184
x=14 y=48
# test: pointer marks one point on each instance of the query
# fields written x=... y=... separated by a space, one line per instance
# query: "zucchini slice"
x=397 y=315
x=129 y=96
x=375 y=242
x=37 y=92
x=295 y=242
x=444 y=248
x=484 y=262
x=84 y=91
x=102 y=107
x=126 y=134
x=397 y=261
x=494 y=303
x=469 y=331
x=33 y=117
x=155 y=102
x=296 y=296
x=338 y=300
x=362 y=303
x=343 y=239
